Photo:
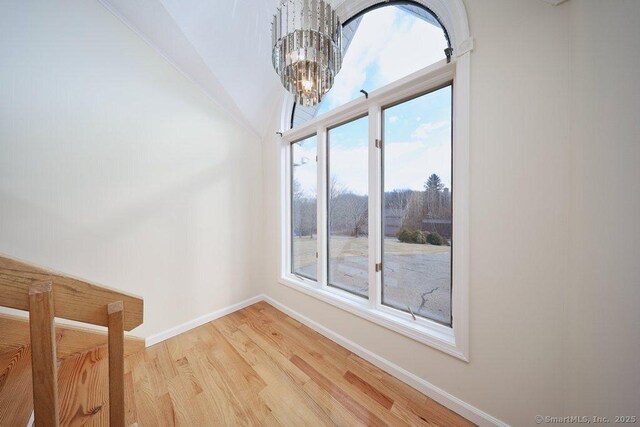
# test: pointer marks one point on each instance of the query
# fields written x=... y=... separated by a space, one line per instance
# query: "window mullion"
x=287 y=209
x=375 y=214
x=322 y=225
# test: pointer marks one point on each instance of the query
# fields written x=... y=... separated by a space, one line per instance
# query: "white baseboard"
x=461 y=407
x=177 y=330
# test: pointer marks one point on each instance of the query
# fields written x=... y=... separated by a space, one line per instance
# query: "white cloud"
x=410 y=48
x=350 y=166
x=364 y=50
x=386 y=49
x=305 y=171
x=408 y=164
x=426 y=129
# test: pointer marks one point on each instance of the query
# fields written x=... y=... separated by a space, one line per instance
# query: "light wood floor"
x=256 y=366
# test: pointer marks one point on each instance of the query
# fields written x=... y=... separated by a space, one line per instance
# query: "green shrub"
x=405 y=235
x=418 y=237
x=436 y=239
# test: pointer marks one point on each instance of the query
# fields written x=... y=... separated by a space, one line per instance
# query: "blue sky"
x=417 y=138
x=389 y=44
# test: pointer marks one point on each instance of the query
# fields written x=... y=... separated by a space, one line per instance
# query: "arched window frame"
x=294 y=108
x=453 y=340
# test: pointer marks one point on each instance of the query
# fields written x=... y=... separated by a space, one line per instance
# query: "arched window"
x=375 y=179
x=381 y=44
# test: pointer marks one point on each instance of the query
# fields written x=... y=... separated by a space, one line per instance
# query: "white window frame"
x=452 y=340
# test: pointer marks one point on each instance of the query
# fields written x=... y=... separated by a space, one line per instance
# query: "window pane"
x=417 y=206
x=303 y=208
x=348 y=206
x=380 y=47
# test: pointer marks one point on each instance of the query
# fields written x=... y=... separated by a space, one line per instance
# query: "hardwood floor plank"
x=254 y=367
x=362 y=413
x=295 y=373
x=305 y=344
x=131 y=416
x=369 y=390
x=16 y=387
x=220 y=387
x=233 y=364
x=283 y=394
x=389 y=385
x=271 y=421
x=300 y=337
x=233 y=374
x=83 y=387
x=340 y=415
x=151 y=410
x=183 y=402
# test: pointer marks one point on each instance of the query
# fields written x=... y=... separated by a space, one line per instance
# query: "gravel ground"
x=418 y=276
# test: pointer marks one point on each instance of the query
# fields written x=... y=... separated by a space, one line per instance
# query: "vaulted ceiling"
x=224 y=46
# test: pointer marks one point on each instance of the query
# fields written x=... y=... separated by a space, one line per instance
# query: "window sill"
x=427 y=332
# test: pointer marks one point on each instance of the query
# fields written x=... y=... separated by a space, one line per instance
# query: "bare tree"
x=397 y=199
x=308 y=214
x=297 y=195
x=412 y=218
x=396 y=205
x=304 y=211
x=335 y=191
x=356 y=209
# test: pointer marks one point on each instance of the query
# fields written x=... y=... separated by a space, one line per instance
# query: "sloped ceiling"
x=222 y=45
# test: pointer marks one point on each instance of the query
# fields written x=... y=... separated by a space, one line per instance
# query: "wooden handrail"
x=46 y=294
x=74 y=299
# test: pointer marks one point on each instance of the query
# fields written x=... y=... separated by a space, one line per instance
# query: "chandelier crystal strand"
x=307 y=48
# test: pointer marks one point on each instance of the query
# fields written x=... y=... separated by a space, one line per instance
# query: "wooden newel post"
x=43 y=354
x=115 y=312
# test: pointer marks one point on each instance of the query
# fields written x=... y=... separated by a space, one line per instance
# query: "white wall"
x=602 y=367
x=555 y=205
x=116 y=168
x=519 y=222
x=555 y=147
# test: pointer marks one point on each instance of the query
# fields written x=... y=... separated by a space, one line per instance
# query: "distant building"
x=393 y=224
x=441 y=226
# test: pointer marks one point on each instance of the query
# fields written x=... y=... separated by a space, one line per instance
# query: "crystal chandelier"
x=307 y=48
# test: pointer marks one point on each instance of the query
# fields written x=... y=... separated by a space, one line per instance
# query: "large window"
x=304 y=218
x=417 y=220
x=376 y=206
x=380 y=47
x=348 y=205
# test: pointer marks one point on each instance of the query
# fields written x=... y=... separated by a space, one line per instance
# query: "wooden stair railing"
x=45 y=295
